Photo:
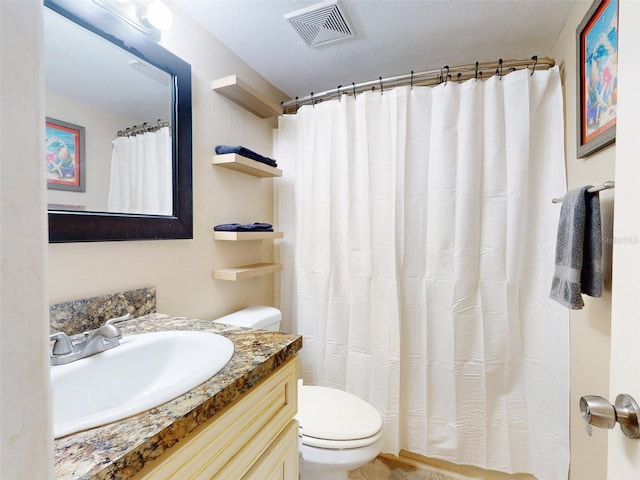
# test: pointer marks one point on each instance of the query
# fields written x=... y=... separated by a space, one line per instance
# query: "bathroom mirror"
x=109 y=89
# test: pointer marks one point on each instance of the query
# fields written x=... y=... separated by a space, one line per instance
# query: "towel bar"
x=605 y=186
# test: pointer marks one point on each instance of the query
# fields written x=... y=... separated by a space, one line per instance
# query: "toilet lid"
x=332 y=414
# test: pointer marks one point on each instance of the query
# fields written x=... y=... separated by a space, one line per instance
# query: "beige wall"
x=26 y=445
x=590 y=328
x=182 y=269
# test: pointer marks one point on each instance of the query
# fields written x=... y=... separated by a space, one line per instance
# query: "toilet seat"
x=334 y=419
x=339 y=444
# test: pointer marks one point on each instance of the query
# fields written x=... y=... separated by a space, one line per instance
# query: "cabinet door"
x=230 y=443
x=280 y=461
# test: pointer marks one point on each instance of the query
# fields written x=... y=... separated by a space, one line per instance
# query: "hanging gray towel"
x=578 y=249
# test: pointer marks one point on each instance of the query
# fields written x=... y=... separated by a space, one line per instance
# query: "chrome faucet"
x=103 y=338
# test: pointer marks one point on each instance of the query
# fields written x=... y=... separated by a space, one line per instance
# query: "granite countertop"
x=120 y=449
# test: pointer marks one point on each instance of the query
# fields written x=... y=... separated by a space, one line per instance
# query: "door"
x=624 y=453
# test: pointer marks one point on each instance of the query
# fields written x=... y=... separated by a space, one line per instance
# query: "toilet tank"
x=260 y=317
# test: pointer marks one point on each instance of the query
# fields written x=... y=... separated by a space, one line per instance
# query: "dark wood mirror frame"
x=79 y=226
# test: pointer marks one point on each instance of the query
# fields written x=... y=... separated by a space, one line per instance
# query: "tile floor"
x=387 y=469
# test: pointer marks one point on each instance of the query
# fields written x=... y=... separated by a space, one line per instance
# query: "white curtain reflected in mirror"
x=141 y=174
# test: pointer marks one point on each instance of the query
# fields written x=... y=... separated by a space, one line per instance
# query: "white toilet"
x=338 y=431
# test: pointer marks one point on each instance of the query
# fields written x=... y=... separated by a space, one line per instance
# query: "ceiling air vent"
x=323 y=23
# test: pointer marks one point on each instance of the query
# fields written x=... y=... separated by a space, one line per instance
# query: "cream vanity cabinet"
x=254 y=438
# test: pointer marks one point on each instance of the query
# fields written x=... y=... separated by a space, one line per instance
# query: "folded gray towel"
x=578 y=249
x=245 y=152
x=248 y=227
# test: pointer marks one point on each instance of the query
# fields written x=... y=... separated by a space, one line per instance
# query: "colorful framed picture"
x=597 y=79
x=64 y=155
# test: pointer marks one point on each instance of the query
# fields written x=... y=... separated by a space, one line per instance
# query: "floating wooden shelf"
x=245 y=165
x=238 y=91
x=247 y=271
x=241 y=236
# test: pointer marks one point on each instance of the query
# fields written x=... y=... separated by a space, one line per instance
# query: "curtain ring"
x=535 y=62
x=476 y=76
x=381 y=87
x=297 y=104
x=500 y=69
x=459 y=76
x=354 y=89
x=339 y=94
x=446 y=77
x=313 y=102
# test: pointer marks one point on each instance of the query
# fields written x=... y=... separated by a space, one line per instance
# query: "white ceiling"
x=393 y=37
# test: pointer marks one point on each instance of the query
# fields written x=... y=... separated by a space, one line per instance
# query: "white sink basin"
x=143 y=372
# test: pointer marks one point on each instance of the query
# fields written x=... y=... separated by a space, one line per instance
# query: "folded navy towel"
x=245 y=152
x=578 y=249
x=249 y=227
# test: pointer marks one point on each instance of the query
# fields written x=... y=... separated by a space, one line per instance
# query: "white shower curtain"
x=423 y=257
x=141 y=174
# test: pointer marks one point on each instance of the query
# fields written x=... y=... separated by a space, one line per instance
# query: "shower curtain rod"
x=429 y=77
x=145 y=127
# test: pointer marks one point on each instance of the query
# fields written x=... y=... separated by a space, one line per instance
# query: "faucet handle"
x=123 y=318
x=108 y=332
x=62 y=343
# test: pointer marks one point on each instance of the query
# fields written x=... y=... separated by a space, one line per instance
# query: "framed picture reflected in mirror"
x=64 y=155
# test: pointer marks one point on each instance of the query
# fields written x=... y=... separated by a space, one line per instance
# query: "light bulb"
x=159 y=15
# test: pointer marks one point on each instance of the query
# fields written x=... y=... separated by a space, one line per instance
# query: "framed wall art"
x=597 y=79
x=64 y=155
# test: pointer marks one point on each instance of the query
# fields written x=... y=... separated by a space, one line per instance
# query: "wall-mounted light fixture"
x=158 y=15
x=148 y=16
